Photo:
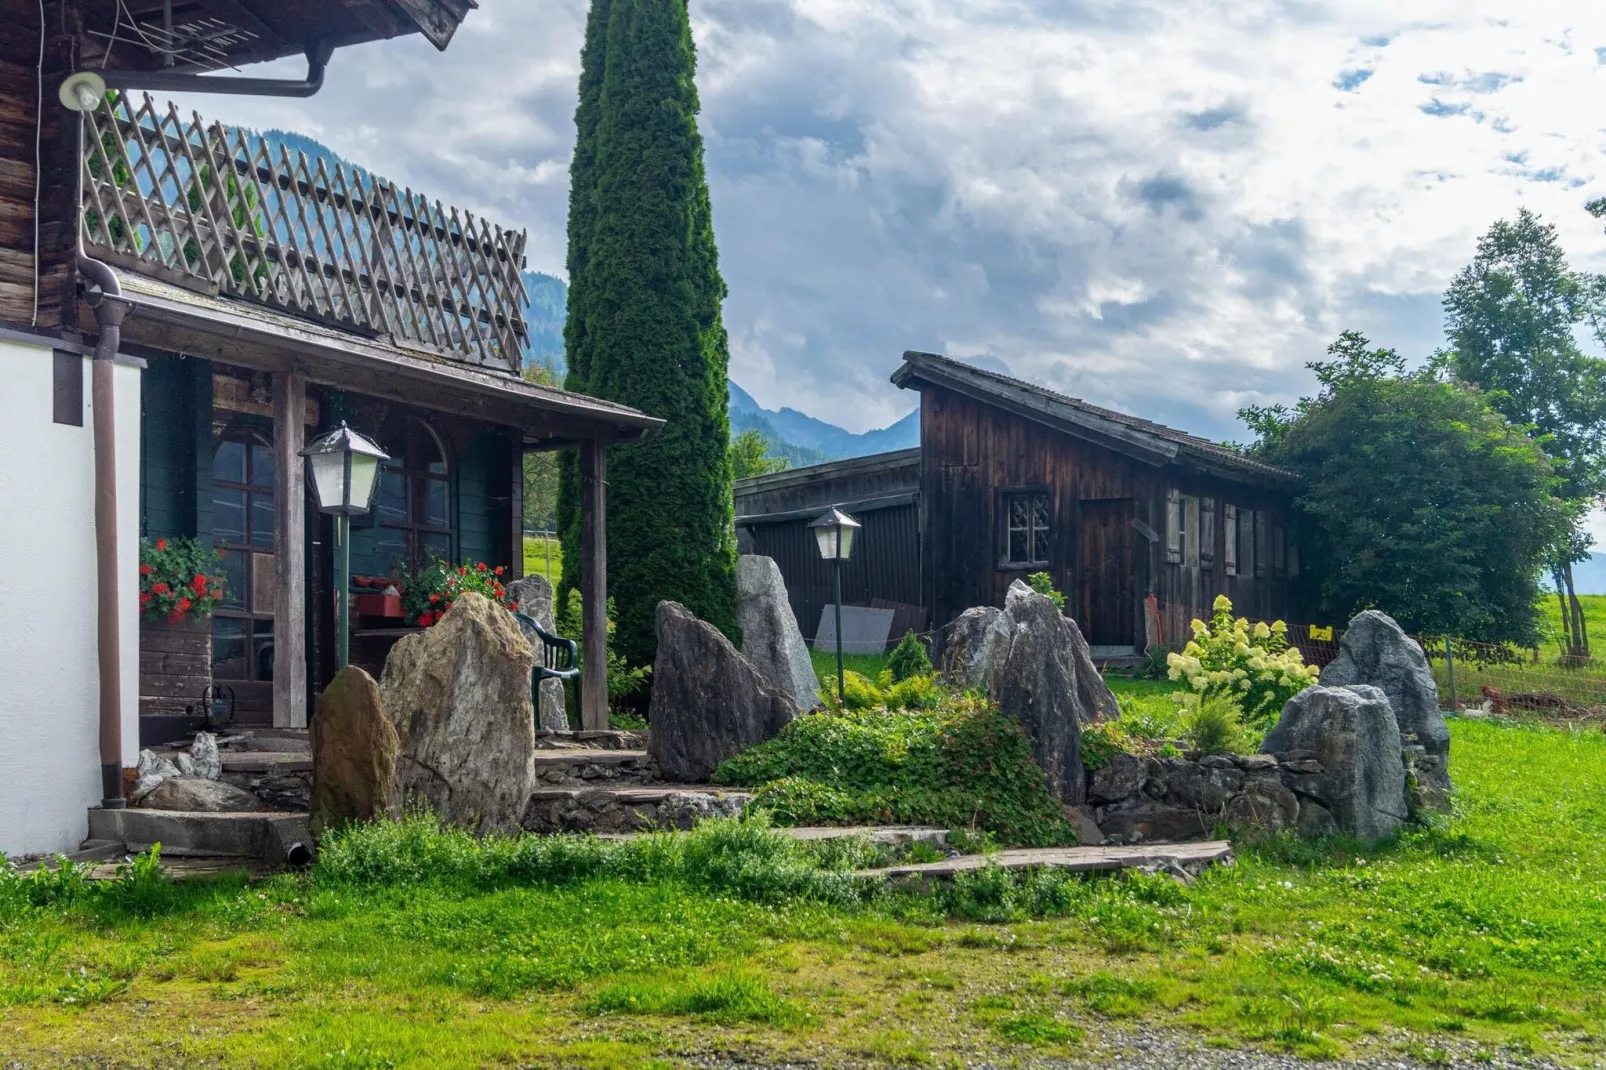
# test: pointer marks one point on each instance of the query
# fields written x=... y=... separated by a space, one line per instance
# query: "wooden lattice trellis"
x=225 y=208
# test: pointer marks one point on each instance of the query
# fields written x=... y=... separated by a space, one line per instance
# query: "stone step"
x=269 y=837
x=266 y=761
x=1183 y=860
x=632 y=808
x=586 y=766
x=610 y=739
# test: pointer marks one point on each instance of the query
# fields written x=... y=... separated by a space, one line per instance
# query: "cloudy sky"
x=1167 y=207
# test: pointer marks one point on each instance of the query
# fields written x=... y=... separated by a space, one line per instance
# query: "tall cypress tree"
x=644 y=320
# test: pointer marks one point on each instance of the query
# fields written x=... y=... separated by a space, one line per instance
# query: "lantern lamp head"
x=343 y=467
x=834 y=531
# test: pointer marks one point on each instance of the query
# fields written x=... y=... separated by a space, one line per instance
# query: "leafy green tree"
x=1511 y=316
x=750 y=456
x=644 y=321
x=1419 y=498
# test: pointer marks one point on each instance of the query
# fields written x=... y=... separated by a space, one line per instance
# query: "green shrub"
x=1103 y=740
x=908 y=658
x=1212 y=723
x=859 y=692
x=957 y=763
x=1043 y=583
x=1254 y=664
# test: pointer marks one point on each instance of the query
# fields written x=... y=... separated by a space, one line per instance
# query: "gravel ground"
x=1169 y=1050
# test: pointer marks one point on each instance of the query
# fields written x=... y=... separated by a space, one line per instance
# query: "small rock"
x=151 y=772
x=1255 y=763
x=1315 y=819
x=1088 y=833
x=1304 y=765
x=186 y=766
x=1263 y=805
x=198 y=794
x=1146 y=821
x=204 y=756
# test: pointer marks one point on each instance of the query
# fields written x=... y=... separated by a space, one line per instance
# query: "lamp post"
x=834 y=530
x=343 y=468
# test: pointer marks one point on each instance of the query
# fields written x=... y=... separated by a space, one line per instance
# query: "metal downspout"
x=106 y=298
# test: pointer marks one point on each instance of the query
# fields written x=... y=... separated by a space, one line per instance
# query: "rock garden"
x=1370 y=908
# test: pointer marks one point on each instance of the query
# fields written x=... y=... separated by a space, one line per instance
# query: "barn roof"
x=1132 y=435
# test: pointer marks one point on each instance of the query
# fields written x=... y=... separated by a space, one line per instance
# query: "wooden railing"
x=227 y=211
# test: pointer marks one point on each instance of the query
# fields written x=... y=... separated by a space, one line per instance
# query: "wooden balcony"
x=223 y=211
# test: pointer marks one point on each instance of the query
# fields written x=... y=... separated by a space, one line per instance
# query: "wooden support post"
x=289 y=551
x=594 y=586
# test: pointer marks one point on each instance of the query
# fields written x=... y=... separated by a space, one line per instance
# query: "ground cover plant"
x=953 y=762
x=411 y=946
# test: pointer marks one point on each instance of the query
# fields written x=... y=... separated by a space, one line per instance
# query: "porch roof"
x=170 y=319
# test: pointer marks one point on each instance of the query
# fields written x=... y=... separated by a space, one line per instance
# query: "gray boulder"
x=1263 y=805
x=533 y=595
x=1121 y=777
x=1375 y=650
x=771 y=639
x=1352 y=732
x=458 y=695
x=1144 y=820
x=708 y=701
x=194 y=794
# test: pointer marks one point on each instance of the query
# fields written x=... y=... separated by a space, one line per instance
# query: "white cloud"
x=1166 y=208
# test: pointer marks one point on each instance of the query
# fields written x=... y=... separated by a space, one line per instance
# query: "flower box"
x=380 y=605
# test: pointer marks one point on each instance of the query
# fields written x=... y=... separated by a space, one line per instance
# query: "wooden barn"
x=1012 y=479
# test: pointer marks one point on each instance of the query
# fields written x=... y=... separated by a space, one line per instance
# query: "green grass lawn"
x=538 y=549
x=414 y=949
x=866 y=664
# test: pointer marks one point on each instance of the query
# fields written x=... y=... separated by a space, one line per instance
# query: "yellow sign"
x=1322 y=633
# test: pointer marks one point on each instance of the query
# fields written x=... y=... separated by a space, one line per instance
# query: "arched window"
x=242 y=529
x=413 y=509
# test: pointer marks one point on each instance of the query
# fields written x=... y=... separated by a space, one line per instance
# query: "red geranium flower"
x=480 y=566
x=145 y=599
x=145 y=570
x=512 y=605
x=161 y=544
x=498 y=570
x=160 y=588
x=434 y=598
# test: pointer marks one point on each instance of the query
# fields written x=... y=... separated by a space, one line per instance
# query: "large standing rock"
x=194 y=793
x=533 y=595
x=354 y=748
x=459 y=697
x=1352 y=733
x=1375 y=650
x=1032 y=660
x=770 y=636
x=708 y=701
x=974 y=648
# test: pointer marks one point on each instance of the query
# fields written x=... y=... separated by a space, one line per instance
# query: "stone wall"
x=1143 y=800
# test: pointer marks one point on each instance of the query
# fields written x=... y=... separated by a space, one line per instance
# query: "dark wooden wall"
x=884 y=567
x=57 y=148
x=971 y=451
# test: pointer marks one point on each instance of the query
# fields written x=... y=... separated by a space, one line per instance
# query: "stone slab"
x=183 y=833
x=605 y=739
x=266 y=761
x=864 y=630
x=547 y=758
x=636 y=795
x=1186 y=856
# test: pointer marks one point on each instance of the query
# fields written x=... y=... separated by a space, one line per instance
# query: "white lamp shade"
x=364 y=480
x=834 y=532
x=329 y=480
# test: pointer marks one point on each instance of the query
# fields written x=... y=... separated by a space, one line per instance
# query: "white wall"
x=49 y=739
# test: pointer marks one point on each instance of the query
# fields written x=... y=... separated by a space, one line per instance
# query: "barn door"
x=1109 y=598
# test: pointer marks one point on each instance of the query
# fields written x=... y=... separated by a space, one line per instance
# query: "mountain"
x=803 y=439
x=1589 y=576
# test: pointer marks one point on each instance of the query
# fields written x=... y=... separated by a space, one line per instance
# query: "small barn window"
x=1279 y=548
x=1229 y=525
x=1027 y=516
x=1207 y=533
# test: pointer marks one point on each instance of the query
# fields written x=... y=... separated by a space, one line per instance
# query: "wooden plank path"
x=1190 y=857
